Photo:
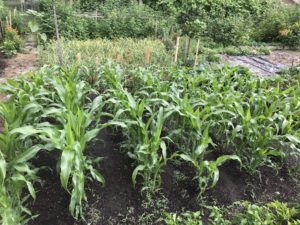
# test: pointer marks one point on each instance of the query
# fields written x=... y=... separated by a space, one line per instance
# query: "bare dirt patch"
x=20 y=63
x=268 y=65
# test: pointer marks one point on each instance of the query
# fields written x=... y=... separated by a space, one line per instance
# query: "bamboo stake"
x=78 y=58
x=10 y=20
x=148 y=56
x=177 y=49
x=197 y=52
x=59 y=49
x=119 y=57
x=97 y=61
x=186 y=48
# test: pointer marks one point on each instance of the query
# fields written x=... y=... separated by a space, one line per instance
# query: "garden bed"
x=120 y=203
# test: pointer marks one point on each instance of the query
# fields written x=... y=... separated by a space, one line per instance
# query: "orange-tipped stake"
x=119 y=57
x=148 y=53
x=97 y=61
x=78 y=58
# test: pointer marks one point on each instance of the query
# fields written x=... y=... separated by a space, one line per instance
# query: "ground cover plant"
x=198 y=118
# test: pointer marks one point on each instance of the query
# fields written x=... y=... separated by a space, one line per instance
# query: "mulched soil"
x=120 y=203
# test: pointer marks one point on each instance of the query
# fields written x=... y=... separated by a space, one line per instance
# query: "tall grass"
x=131 y=52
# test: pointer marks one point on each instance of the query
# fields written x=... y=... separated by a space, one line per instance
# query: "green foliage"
x=203 y=118
x=71 y=26
x=228 y=22
x=8 y=48
x=245 y=50
x=35 y=29
x=132 y=20
x=12 y=42
x=12 y=18
x=116 y=20
x=17 y=174
x=188 y=218
x=280 y=25
x=63 y=100
x=230 y=30
x=271 y=213
x=244 y=213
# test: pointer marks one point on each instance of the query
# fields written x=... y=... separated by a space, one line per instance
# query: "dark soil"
x=2 y=63
x=120 y=203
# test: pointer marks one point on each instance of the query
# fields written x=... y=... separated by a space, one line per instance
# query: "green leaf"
x=96 y=175
x=135 y=173
x=34 y=27
x=2 y=170
x=222 y=159
x=164 y=150
x=88 y=136
x=66 y=166
x=28 y=154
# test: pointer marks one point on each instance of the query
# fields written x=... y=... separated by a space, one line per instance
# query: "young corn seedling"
x=150 y=152
x=194 y=149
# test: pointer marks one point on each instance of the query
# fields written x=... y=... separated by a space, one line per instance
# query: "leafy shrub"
x=16 y=19
x=280 y=25
x=8 y=48
x=70 y=24
x=12 y=42
x=213 y=57
x=116 y=20
x=129 y=20
x=231 y=50
x=264 y=50
x=230 y=30
x=290 y=36
x=226 y=21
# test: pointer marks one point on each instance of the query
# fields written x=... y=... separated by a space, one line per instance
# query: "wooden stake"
x=97 y=61
x=186 y=48
x=59 y=49
x=78 y=58
x=177 y=49
x=197 y=51
x=148 y=56
x=119 y=57
x=10 y=20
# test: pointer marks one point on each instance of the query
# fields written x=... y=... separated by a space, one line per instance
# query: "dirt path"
x=20 y=63
x=266 y=65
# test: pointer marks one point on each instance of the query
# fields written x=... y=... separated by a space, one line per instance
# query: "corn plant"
x=73 y=134
x=194 y=148
x=16 y=172
x=145 y=144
